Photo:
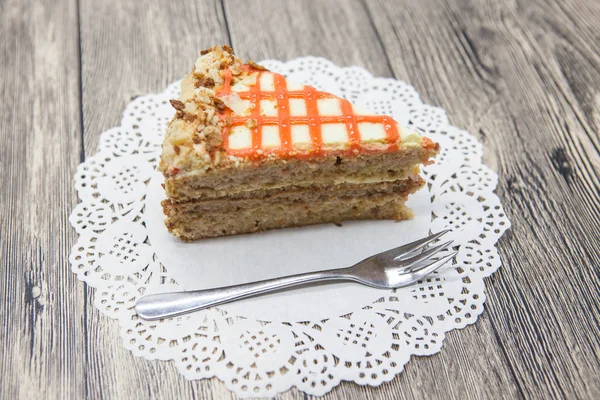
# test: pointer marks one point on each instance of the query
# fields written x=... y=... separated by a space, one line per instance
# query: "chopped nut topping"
x=195 y=136
x=217 y=157
x=173 y=170
x=236 y=68
x=256 y=66
x=204 y=81
x=220 y=106
x=226 y=63
x=189 y=117
x=178 y=105
x=212 y=137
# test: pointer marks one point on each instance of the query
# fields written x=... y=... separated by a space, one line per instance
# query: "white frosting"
x=408 y=135
x=270 y=137
x=365 y=179
x=334 y=135
x=301 y=136
x=329 y=107
x=268 y=108
x=370 y=132
x=267 y=83
x=240 y=137
x=297 y=107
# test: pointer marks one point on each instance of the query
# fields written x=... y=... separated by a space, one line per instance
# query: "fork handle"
x=164 y=305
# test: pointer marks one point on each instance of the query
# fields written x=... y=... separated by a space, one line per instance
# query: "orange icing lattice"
x=284 y=120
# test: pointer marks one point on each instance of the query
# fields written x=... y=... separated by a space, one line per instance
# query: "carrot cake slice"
x=249 y=151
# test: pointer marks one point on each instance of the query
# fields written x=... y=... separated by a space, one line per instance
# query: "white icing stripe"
x=329 y=107
x=370 y=132
x=335 y=136
x=268 y=108
x=267 y=82
x=297 y=107
x=240 y=138
x=301 y=136
x=270 y=137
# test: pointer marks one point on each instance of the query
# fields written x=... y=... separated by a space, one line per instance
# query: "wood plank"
x=527 y=77
x=149 y=45
x=42 y=339
x=340 y=31
x=344 y=33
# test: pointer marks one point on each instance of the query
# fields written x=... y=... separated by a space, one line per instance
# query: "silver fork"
x=390 y=269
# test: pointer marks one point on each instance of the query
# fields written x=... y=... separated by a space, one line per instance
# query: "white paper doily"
x=311 y=338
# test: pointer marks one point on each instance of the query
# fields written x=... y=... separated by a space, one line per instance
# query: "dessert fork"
x=390 y=269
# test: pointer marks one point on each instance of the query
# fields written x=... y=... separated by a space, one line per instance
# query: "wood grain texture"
x=518 y=70
x=339 y=30
x=148 y=46
x=523 y=76
x=42 y=335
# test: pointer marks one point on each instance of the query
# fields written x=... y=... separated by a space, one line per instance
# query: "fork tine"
x=423 y=256
x=429 y=268
x=410 y=247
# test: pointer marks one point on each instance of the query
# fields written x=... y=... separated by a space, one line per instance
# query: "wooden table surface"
x=522 y=76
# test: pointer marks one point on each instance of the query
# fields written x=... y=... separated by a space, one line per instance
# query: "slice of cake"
x=249 y=151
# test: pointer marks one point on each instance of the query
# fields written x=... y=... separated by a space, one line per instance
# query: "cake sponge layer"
x=273 y=215
x=327 y=172
x=283 y=198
